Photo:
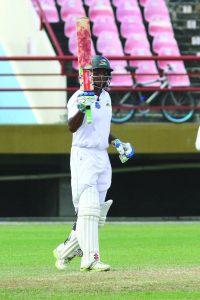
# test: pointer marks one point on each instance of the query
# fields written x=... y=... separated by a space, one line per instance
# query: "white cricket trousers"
x=90 y=167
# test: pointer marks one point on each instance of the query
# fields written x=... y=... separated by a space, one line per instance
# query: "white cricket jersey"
x=96 y=134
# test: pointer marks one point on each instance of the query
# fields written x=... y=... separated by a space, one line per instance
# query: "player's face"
x=101 y=78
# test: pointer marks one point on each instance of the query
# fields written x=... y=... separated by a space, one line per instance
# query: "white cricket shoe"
x=96 y=267
x=62 y=263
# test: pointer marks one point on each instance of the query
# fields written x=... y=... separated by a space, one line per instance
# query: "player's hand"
x=125 y=150
x=128 y=152
x=85 y=100
x=119 y=146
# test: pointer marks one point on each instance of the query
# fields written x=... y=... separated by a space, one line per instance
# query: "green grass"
x=149 y=261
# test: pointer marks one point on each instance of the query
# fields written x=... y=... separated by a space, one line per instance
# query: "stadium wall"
x=161 y=181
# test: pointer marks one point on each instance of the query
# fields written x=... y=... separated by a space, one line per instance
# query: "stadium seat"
x=42 y=2
x=167 y=51
x=139 y=52
x=143 y=2
x=156 y=11
x=49 y=9
x=112 y=51
x=136 y=41
x=70 y=24
x=120 y=77
x=91 y=2
x=178 y=80
x=164 y=40
x=97 y=10
x=116 y=3
x=71 y=7
x=104 y=23
x=127 y=9
x=108 y=39
x=72 y=44
x=130 y=26
x=147 y=72
x=61 y=2
x=158 y=27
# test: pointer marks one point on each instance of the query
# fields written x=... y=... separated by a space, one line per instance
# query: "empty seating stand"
x=117 y=28
x=71 y=7
x=49 y=8
x=104 y=24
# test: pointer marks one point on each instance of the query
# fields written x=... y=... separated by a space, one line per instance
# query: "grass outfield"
x=149 y=261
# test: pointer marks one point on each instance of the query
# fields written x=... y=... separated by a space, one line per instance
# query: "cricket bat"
x=84 y=54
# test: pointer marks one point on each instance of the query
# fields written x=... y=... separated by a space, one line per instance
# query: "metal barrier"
x=69 y=58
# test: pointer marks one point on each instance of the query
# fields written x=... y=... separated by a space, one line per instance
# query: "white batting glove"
x=85 y=99
x=128 y=152
x=119 y=146
x=125 y=150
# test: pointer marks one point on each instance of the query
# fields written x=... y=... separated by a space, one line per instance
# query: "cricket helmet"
x=101 y=62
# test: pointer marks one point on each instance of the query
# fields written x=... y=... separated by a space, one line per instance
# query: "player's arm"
x=111 y=138
x=75 y=122
x=84 y=100
x=125 y=150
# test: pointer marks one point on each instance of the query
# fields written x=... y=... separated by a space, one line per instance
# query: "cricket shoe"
x=97 y=266
x=62 y=263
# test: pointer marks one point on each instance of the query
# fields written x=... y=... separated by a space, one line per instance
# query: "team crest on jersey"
x=97 y=105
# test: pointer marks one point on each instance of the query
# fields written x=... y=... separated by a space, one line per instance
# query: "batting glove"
x=125 y=150
x=85 y=99
x=128 y=152
x=119 y=146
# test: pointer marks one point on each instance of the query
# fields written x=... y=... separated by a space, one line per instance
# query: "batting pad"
x=103 y=213
x=68 y=248
x=87 y=226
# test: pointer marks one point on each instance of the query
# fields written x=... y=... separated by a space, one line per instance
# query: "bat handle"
x=88 y=114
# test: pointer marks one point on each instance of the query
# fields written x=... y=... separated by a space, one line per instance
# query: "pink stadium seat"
x=157 y=27
x=108 y=39
x=178 y=80
x=156 y=11
x=104 y=23
x=127 y=9
x=167 y=51
x=100 y=9
x=71 y=7
x=94 y=2
x=50 y=2
x=72 y=44
x=147 y=71
x=112 y=51
x=139 y=52
x=164 y=40
x=49 y=9
x=116 y=3
x=120 y=77
x=143 y=2
x=70 y=24
x=61 y=2
x=131 y=25
x=136 y=41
